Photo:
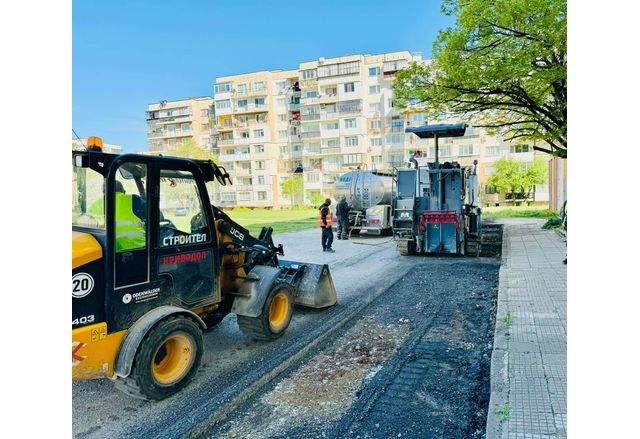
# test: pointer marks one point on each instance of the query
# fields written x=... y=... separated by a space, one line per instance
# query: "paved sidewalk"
x=529 y=360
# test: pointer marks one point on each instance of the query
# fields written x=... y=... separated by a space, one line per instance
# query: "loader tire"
x=166 y=360
x=275 y=317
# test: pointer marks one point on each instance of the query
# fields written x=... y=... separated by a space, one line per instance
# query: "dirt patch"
x=326 y=387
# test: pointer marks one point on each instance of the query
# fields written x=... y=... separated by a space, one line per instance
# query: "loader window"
x=87 y=198
x=182 y=219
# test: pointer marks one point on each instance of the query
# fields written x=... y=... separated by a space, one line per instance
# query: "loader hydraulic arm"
x=259 y=250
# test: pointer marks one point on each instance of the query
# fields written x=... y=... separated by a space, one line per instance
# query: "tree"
x=513 y=176
x=503 y=66
x=191 y=150
x=317 y=199
x=292 y=188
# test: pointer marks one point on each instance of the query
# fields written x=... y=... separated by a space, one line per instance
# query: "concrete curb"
x=499 y=398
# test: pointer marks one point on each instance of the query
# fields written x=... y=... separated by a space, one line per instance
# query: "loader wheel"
x=166 y=360
x=275 y=317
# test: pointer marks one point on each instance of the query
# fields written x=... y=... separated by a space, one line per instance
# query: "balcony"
x=329 y=116
x=225 y=142
x=235 y=157
x=309 y=116
x=251 y=108
x=328 y=98
x=241 y=171
x=168 y=119
x=245 y=140
x=310 y=134
x=165 y=134
x=249 y=92
x=330 y=150
x=293 y=106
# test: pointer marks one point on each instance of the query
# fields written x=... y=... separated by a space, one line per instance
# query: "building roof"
x=441 y=130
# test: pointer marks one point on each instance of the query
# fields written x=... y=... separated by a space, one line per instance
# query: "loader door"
x=186 y=250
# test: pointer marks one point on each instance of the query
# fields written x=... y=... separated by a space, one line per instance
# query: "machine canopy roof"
x=441 y=130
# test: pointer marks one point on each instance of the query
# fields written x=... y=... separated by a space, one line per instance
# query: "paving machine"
x=436 y=204
x=155 y=264
x=368 y=194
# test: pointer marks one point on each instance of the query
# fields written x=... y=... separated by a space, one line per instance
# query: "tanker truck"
x=368 y=194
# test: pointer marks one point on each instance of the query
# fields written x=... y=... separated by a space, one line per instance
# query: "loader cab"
x=152 y=221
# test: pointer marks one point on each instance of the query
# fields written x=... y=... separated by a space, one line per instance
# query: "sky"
x=128 y=54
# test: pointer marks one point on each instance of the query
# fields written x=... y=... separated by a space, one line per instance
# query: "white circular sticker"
x=126 y=298
x=81 y=285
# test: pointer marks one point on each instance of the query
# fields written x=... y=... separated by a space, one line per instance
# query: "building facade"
x=315 y=123
x=172 y=123
x=257 y=119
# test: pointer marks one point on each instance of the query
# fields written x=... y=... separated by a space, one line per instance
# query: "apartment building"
x=171 y=123
x=257 y=119
x=318 y=122
x=347 y=116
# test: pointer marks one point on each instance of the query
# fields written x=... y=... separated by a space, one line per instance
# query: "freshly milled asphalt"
x=435 y=386
x=233 y=363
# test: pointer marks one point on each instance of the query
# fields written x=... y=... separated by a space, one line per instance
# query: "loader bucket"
x=313 y=284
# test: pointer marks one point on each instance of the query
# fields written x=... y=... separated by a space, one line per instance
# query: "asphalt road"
x=232 y=363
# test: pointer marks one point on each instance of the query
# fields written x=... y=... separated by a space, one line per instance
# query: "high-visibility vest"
x=329 y=219
x=130 y=230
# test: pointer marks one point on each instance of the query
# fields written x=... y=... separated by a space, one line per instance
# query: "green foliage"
x=317 y=199
x=552 y=223
x=504 y=412
x=517 y=212
x=513 y=176
x=293 y=188
x=191 y=150
x=503 y=66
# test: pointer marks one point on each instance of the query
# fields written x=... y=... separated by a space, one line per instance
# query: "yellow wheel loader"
x=155 y=264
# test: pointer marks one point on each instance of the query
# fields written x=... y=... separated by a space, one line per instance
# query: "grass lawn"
x=281 y=220
x=518 y=212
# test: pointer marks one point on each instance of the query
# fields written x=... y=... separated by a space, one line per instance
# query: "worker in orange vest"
x=325 y=222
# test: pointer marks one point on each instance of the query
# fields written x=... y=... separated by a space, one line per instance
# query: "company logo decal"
x=142 y=296
x=184 y=239
x=187 y=257
x=237 y=234
x=81 y=285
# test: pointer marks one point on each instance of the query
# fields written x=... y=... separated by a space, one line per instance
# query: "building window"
x=259 y=101
x=312 y=94
x=375 y=107
x=242 y=88
x=332 y=143
x=376 y=160
x=390 y=103
x=258 y=149
x=376 y=141
x=465 y=150
x=281 y=102
x=492 y=151
x=261 y=118
x=244 y=196
x=351 y=141
x=223 y=87
x=330 y=91
x=374 y=71
x=244 y=134
x=282 y=117
x=262 y=196
x=374 y=89
x=260 y=164
x=375 y=124
x=259 y=86
x=228 y=197
x=258 y=133
x=349 y=87
x=352 y=159
x=490 y=190
x=350 y=123
x=204 y=112
x=243 y=119
x=309 y=74
x=330 y=108
x=312 y=178
x=242 y=103
x=332 y=125
x=515 y=149
x=282 y=133
x=395 y=138
x=223 y=104
x=417 y=117
x=284 y=149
